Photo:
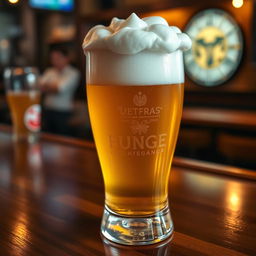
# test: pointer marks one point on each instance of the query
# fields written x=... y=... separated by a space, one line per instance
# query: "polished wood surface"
x=221 y=118
x=52 y=196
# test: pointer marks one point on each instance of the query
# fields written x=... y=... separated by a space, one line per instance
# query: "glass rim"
x=25 y=69
x=20 y=77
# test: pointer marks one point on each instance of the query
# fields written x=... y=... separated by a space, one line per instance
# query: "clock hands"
x=209 y=47
x=217 y=41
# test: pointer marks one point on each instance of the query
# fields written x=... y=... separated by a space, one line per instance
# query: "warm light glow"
x=20 y=232
x=205 y=184
x=237 y=3
x=234 y=197
x=13 y=1
x=233 y=220
x=234 y=201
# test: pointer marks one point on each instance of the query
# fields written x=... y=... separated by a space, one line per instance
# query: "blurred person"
x=59 y=83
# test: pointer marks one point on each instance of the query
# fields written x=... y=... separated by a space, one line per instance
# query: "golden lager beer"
x=25 y=111
x=135 y=130
x=135 y=77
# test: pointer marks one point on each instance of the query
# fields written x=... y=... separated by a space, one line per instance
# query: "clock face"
x=217 y=45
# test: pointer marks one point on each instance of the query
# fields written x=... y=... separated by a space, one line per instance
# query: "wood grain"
x=221 y=118
x=52 y=197
x=215 y=168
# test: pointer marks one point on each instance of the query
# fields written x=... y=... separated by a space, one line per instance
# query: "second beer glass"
x=23 y=97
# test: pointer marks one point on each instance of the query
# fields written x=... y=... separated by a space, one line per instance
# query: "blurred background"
x=219 y=119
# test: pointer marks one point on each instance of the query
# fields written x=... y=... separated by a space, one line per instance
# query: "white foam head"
x=135 y=52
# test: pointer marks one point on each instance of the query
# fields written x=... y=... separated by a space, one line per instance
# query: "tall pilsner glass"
x=135 y=95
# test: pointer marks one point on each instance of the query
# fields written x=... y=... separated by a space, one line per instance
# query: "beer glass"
x=135 y=104
x=23 y=98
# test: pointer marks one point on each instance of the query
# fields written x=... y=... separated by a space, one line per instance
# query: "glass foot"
x=136 y=230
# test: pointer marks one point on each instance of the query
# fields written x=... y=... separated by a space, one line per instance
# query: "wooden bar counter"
x=52 y=196
x=220 y=118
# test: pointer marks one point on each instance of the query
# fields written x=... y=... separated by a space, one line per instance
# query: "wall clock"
x=217 y=47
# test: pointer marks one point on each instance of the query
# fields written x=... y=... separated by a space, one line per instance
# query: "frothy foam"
x=135 y=52
x=135 y=35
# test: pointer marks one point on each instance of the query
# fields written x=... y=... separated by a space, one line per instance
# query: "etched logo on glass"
x=139 y=118
x=139 y=99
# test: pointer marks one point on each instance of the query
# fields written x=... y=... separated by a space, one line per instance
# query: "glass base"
x=137 y=230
